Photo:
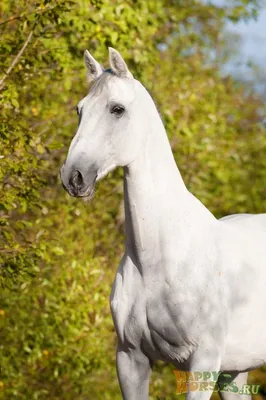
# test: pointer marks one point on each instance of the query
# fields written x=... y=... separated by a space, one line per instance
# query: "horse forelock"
x=101 y=82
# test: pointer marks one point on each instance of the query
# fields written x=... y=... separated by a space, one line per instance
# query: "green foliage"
x=58 y=255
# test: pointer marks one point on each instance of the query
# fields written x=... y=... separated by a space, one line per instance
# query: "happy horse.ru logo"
x=203 y=381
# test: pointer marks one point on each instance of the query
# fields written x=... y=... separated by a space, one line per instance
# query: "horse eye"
x=117 y=110
x=77 y=110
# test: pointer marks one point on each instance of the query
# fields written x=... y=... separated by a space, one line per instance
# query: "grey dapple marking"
x=190 y=289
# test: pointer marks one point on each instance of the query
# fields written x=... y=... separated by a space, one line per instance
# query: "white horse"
x=190 y=289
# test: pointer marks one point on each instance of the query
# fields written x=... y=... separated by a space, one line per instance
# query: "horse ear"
x=93 y=67
x=118 y=65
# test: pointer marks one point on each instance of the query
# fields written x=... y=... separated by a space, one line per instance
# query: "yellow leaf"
x=40 y=148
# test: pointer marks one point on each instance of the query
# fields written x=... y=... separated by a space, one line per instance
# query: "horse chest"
x=128 y=304
x=149 y=318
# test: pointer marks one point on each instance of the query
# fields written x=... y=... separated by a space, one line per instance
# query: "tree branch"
x=16 y=59
x=26 y=15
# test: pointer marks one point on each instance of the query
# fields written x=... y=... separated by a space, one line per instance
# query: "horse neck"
x=158 y=207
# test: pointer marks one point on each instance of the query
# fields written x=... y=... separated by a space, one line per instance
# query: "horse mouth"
x=87 y=194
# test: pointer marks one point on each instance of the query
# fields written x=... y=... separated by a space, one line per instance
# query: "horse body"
x=197 y=274
x=190 y=289
x=244 y=241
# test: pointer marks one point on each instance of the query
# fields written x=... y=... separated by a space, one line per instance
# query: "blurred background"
x=203 y=62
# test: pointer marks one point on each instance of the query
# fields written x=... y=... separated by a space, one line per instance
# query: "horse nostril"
x=76 y=180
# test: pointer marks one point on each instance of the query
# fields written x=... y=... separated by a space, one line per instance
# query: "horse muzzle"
x=78 y=184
